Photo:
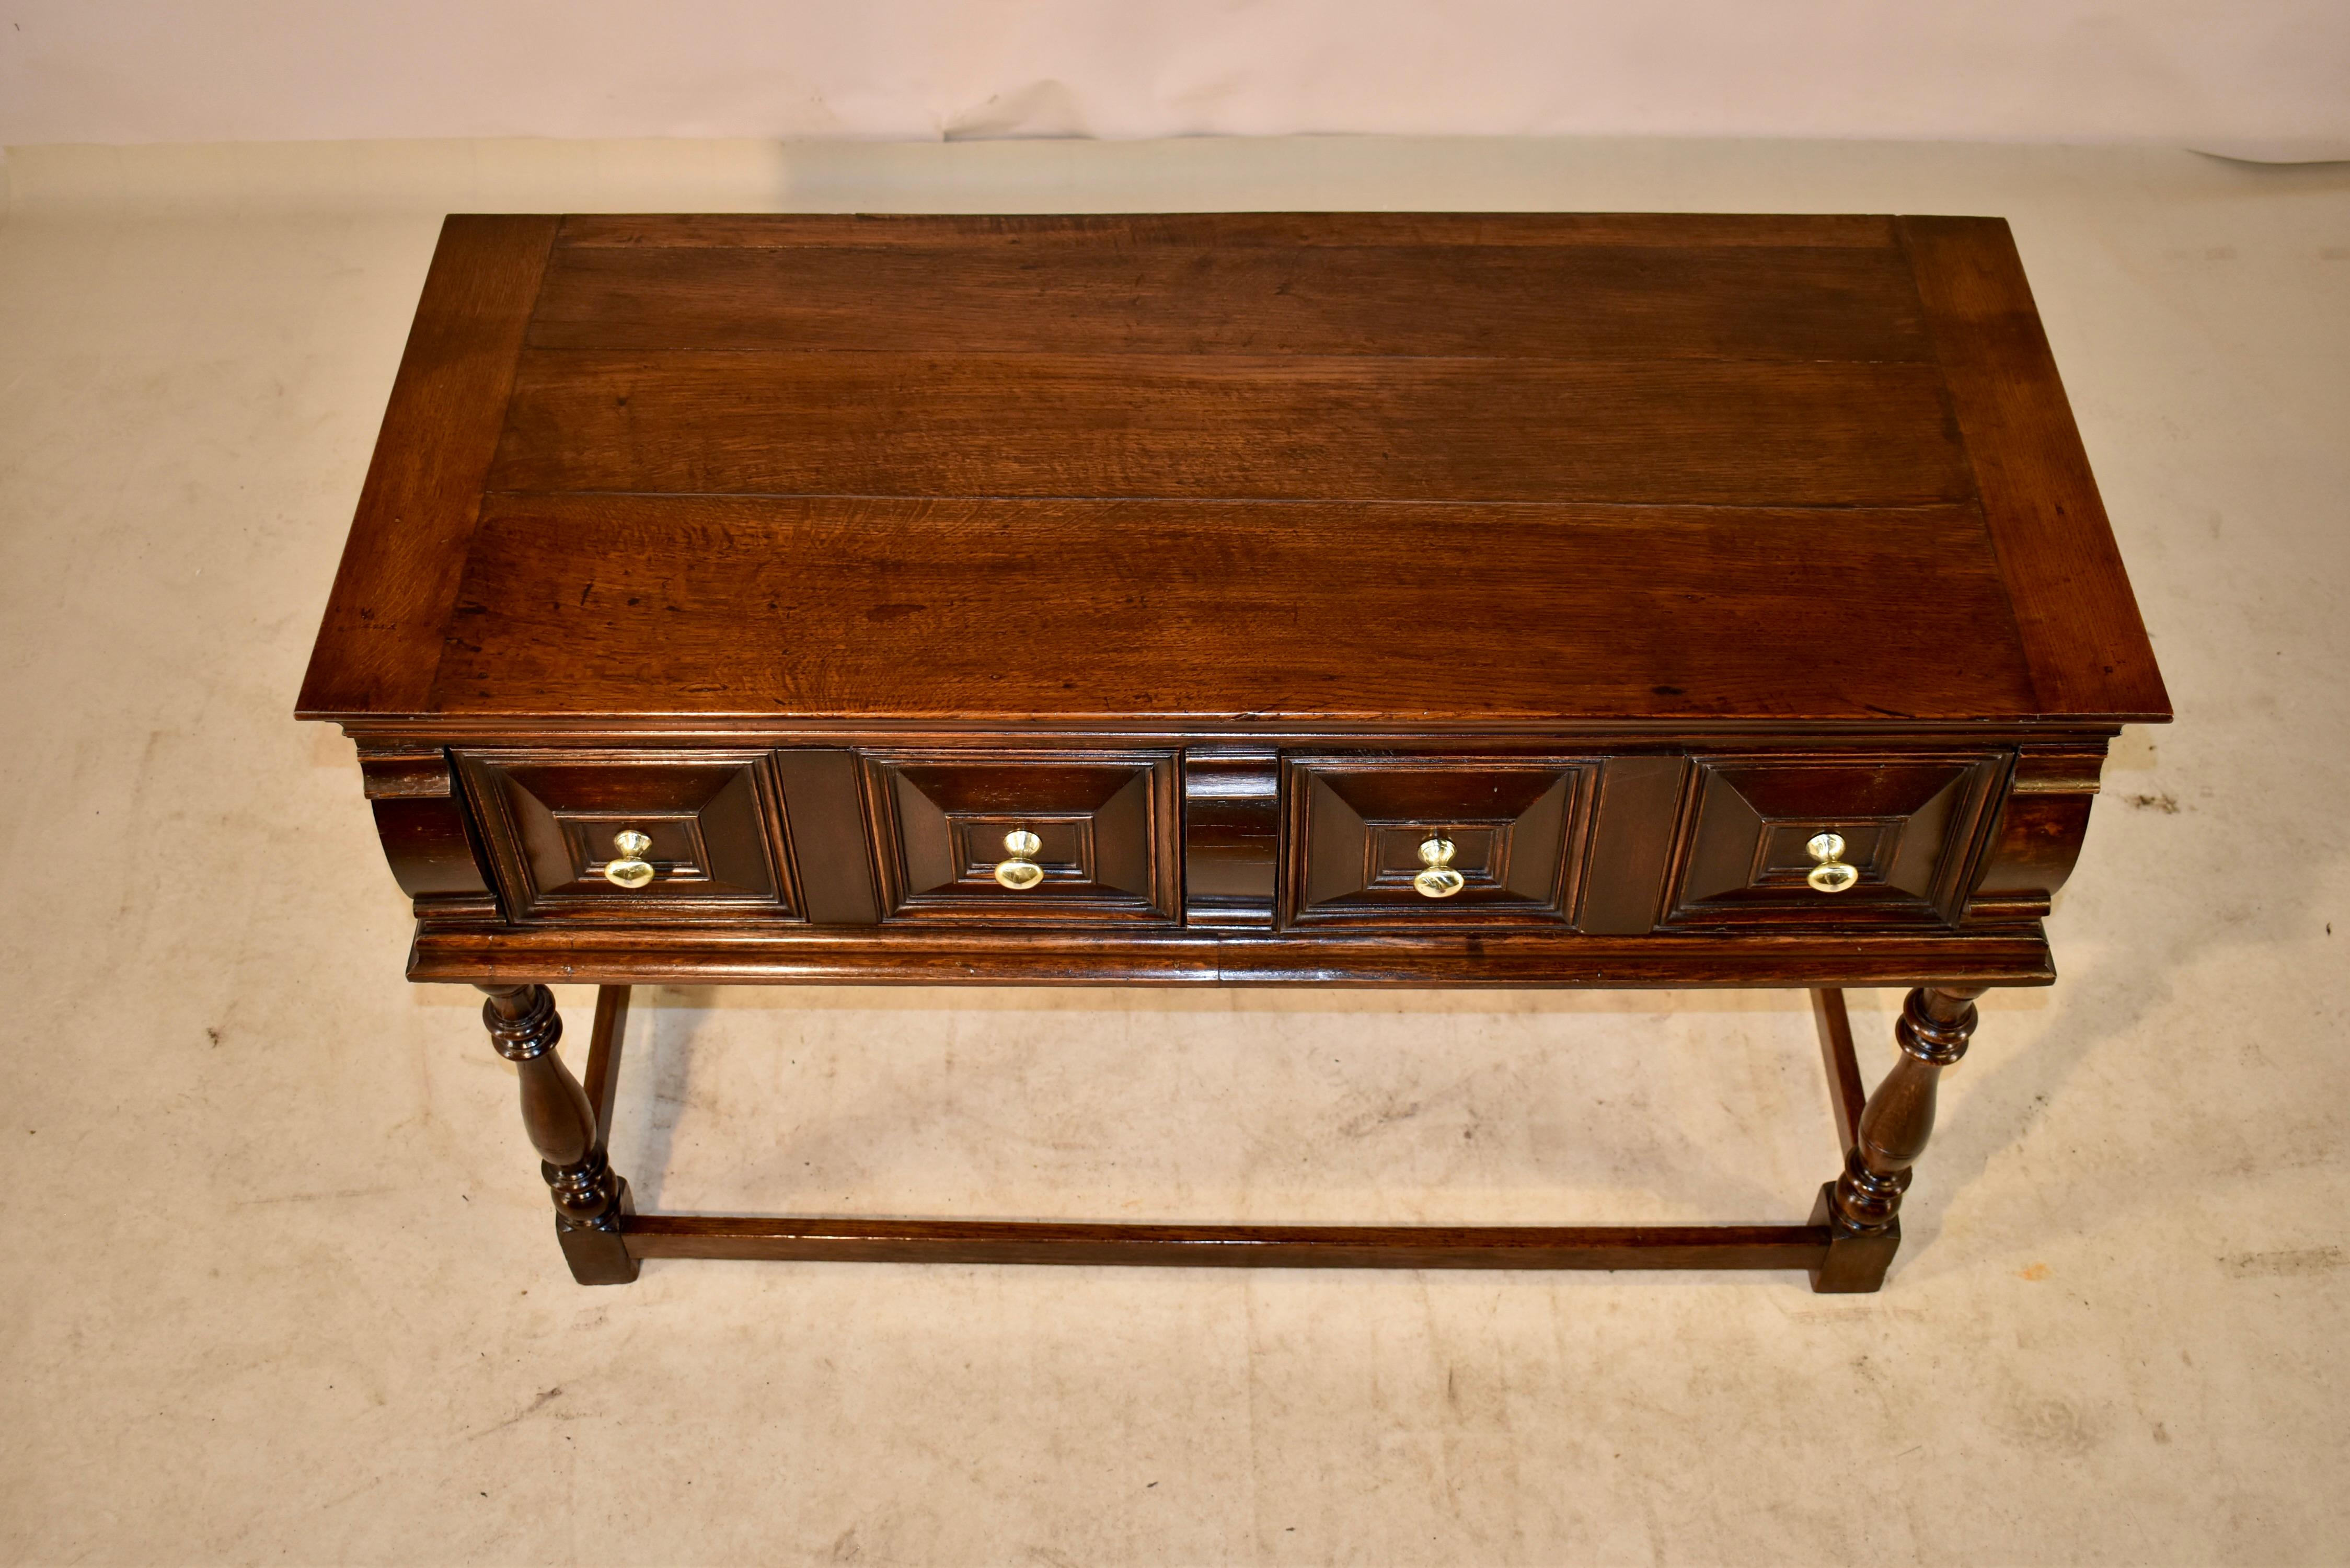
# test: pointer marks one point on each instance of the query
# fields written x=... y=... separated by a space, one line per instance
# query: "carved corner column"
x=589 y=1199
x=1862 y=1207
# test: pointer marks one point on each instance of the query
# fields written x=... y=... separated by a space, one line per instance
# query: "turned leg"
x=589 y=1199
x=1862 y=1207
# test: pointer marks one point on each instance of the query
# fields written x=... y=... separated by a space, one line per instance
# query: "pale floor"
x=279 y=1282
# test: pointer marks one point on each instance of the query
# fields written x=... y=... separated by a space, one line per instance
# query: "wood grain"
x=2038 y=836
x=1862 y=1207
x=1911 y=819
x=390 y=607
x=1846 y=1094
x=1002 y=610
x=1631 y=844
x=1179 y=294
x=1227 y=1246
x=1232 y=836
x=1290 y=428
x=421 y=824
x=2082 y=635
x=599 y=1080
x=832 y=549
x=824 y=813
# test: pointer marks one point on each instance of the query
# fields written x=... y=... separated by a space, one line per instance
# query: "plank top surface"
x=1352 y=468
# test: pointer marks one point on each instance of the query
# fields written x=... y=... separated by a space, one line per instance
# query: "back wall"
x=2262 y=78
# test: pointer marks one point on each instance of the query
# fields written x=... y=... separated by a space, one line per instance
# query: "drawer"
x=1751 y=838
x=948 y=831
x=549 y=818
x=1370 y=840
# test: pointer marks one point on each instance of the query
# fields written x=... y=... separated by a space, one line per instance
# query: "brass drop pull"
x=1020 y=873
x=1831 y=875
x=631 y=869
x=1439 y=880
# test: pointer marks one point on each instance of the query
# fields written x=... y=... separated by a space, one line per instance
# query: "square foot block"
x=1854 y=1264
x=598 y=1256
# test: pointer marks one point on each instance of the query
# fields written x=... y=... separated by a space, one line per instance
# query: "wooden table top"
x=1515 y=471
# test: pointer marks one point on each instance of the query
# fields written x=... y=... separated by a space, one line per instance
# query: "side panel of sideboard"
x=2037 y=838
x=427 y=835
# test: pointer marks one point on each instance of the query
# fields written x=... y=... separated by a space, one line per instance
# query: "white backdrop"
x=2260 y=75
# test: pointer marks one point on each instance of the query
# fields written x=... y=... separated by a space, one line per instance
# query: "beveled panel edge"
x=1162 y=907
x=478 y=771
x=1555 y=915
x=1984 y=774
x=1632 y=839
x=379 y=642
x=2082 y=637
x=823 y=791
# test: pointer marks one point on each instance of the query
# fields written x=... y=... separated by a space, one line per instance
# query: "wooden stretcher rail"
x=606 y=1239
x=1228 y=1246
x=902 y=1241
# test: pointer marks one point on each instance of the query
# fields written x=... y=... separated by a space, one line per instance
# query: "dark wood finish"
x=1631 y=844
x=823 y=799
x=1708 y=298
x=549 y=819
x=591 y=1203
x=569 y=1123
x=389 y=610
x=1231 y=554
x=1356 y=826
x=1213 y=427
x=1846 y=1093
x=525 y=1026
x=1122 y=954
x=423 y=826
x=601 y=1080
x=1009 y=612
x=2042 y=820
x=1043 y=234
x=1862 y=1207
x=1910 y=822
x=1230 y=1246
x=1231 y=836
x=2078 y=620
x=1107 y=822
x=1521 y=287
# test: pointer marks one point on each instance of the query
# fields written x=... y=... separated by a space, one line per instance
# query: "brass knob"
x=1831 y=875
x=1439 y=880
x=631 y=869
x=1020 y=873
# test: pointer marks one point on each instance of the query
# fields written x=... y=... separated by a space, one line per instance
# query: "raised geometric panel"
x=1356 y=826
x=549 y=819
x=1910 y=824
x=1104 y=823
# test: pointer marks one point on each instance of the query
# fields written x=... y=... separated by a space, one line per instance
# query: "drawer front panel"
x=550 y=818
x=1357 y=825
x=1104 y=823
x=1910 y=825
